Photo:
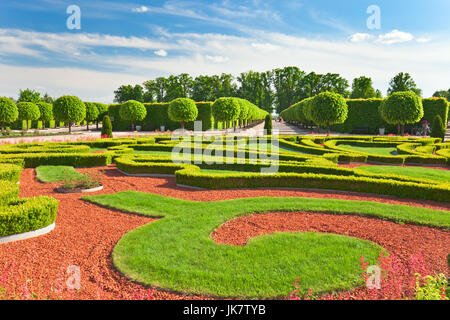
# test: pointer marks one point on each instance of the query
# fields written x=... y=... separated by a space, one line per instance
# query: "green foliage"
x=403 y=82
x=29 y=95
x=69 y=109
x=128 y=92
x=435 y=106
x=132 y=111
x=46 y=111
x=79 y=160
x=328 y=108
x=107 y=127
x=10 y=172
x=401 y=108
x=268 y=124
x=28 y=111
x=8 y=111
x=182 y=110
x=102 y=111
x=431 y=288
x=438 y=128
x=226 y=109
x=92 y=111
x=362 y=88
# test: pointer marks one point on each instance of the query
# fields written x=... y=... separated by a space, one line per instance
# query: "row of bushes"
x=34 y=160
x=22 y=215
x=365 y=113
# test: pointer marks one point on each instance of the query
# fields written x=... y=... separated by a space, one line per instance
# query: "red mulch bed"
x=86 y=234
x=402 y=240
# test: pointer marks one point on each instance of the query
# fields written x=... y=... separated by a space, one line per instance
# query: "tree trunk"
x=70 y=127
x=97 y=125
x=398 y=129
x=27 y=124
x=182 y=125
x=132 y=125
x=3 y=126
x=87 y=125
x=328 y=130
x=403 y=129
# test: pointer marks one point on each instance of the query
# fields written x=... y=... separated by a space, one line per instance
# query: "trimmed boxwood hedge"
x=34 y=160
x=10 y=172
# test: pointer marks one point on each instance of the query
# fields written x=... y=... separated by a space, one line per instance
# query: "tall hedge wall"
x=157 y=116
x=364 y=113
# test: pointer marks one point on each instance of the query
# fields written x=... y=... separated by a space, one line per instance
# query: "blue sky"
x=123 y=42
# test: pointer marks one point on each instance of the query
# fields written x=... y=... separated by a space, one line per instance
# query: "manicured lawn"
x=372 y=150
x=50 y=174
x=415 y=172
x=177 y=252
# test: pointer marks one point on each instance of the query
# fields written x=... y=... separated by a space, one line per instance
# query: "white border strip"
x=28 y=235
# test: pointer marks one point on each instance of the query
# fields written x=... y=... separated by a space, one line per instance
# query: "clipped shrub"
x=183 y=110
x=107 y=127
x=226 y=110
x=435 y=106
x=402 y=108
x=69 y=109
x=28 y=111
x=438 y=128
x=268 y=124
x=46 y=110
x=133 y=111
x=102 y=112
x=328 y=108
x=92 y=112
x=8 y=111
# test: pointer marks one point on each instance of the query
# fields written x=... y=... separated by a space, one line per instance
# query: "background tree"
x=69 y=109
x=92 y=112
x=46 y=111
x=442 y=94
x=287 y=84
x=256 y=88
x=106 y=127
x=28 y=111
x=46 y=98
x=183 y=110
x=128 y=92
x=328 y=108
x=132 y=111
x=401 y=108
x=362 y=88
x=29 y=95
x=403 y=82
x=102 y=112
x=438 y=128
x=8 y=111
x=226 y=110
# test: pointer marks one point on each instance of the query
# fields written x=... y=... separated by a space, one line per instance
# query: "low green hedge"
x=314 y=181
x=24 y=215
x=10 y=172
x=34 y=160
x=42 y=148
x=9 y=191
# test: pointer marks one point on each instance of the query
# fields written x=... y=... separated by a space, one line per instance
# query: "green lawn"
x=415 y=172
x=98 y=149
x=177 y=252
x=50 y=174
x=372 y=150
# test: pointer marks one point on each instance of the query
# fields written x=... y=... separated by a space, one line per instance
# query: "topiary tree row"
x=8 y=111
x=183 y=110
x=236 y=110
x=132 y=111
x=28 y=111
x=69 y=109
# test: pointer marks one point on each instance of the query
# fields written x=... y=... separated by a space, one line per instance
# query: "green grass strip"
x=50 y=174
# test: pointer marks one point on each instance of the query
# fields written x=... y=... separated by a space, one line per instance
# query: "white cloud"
x=423 y=40
x=141 y=9
x=360 y=37
x=395 y=36
x=211 y=54
x=161 y=53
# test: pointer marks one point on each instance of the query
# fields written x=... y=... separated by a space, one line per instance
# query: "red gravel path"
x=85 y=234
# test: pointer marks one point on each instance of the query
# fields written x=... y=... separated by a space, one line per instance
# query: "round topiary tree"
x=183 y=110
x=69 y=109
x=132 y=111
x=438 y=128
x=401 y=108
x=8 y=111
x=28 y=111
x=328 y=108
x=46 y=110
x=102 y=112
x=91 y=112
x=107 y=127
x=268 y=124
x=226 y=110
